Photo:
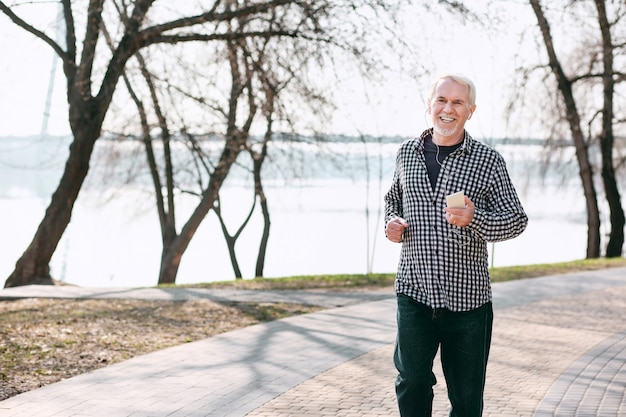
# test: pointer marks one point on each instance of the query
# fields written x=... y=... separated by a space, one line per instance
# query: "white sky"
x=398 y=109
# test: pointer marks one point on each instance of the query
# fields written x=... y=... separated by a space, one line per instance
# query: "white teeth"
x=447 y=119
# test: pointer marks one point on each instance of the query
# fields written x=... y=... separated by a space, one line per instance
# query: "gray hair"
x=461 y=79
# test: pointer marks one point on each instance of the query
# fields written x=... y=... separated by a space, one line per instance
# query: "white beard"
x=444 y=132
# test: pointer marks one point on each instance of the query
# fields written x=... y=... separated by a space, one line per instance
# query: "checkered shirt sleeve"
x=440 y=264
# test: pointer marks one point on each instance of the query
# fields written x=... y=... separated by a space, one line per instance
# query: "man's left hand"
x=461 y=217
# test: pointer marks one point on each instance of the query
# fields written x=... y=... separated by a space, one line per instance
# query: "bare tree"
x=573 y=118
x=259 y=66
x=235 y=138
x=88 y=106
x=579 y=79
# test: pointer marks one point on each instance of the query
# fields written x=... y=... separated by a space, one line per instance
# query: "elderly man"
x=442 y=283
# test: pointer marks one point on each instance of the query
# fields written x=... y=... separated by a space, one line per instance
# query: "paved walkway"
x=311 y=297
x=559 y=349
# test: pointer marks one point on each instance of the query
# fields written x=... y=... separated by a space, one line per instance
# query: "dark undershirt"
x=430 y=154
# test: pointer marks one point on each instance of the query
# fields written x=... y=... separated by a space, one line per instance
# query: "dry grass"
x=46 y=340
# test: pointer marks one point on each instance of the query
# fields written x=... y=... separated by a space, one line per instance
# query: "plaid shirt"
x=442 y=265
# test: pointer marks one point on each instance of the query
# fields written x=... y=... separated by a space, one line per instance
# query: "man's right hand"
x=395 y=228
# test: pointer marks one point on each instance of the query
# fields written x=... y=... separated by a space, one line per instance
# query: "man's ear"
x=472 y=110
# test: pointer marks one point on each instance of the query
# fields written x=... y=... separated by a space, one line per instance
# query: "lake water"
x=318 y=198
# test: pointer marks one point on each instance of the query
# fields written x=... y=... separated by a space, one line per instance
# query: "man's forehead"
x=449 y=88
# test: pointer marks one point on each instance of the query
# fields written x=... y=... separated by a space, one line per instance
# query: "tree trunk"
x=231 y=241
x=616 y=235
x=260 y=260
x=611 y=189
x=573 y=118
x=173 y=251
x=33 y=266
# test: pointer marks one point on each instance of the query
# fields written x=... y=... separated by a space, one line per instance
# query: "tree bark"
x=611 y=189
x=33 y=266
x=173 y=252
x=231 y=240
x=258 y=186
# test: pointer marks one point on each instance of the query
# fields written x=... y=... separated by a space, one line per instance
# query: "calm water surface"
x=319 y=220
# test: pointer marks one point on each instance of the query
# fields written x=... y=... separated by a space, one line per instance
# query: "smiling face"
x=450 y=107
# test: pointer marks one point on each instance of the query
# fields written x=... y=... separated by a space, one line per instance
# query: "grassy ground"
x=46 y=340
x=500 y=274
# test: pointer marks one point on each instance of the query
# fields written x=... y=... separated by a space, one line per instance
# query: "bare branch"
x=30 y=29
